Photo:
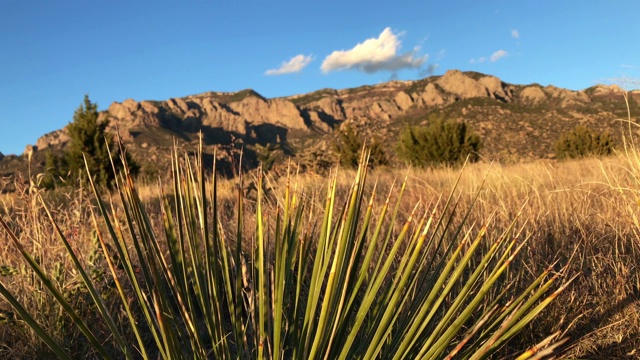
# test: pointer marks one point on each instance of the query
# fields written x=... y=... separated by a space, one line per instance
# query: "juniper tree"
x=349 y=145
x=583 y=141
x=89 y=140
x=442 y=142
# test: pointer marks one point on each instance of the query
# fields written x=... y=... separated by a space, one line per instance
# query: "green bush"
x=582 y=142
x=442 y=142
x=349 y=146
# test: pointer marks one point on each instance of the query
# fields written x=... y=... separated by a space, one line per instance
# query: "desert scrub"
x=442 y=142
x=348 y=146
x=306 y=282
x=583 y=141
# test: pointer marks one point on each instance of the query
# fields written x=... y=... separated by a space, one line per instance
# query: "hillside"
x=515 y=122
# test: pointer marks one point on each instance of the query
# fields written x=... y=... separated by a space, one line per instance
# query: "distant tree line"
x=443 y=142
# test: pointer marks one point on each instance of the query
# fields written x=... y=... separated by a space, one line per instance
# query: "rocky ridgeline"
x=248 y=115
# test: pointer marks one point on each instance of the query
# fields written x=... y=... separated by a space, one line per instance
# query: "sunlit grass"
x=351 y=274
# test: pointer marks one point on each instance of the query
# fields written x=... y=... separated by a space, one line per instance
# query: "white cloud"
x=498 y=55
x=374 y=55
x=296 y=64
x=478 y=60
x=515 y=34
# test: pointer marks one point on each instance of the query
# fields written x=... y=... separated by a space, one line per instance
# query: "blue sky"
x=54 y=52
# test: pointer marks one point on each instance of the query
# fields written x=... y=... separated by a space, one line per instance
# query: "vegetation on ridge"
x=583 y=141
x=442 y=142
x=349 y=144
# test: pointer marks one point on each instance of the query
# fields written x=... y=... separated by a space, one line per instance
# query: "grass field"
x=581 y=214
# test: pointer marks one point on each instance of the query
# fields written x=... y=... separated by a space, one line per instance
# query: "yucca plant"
x=349 y=281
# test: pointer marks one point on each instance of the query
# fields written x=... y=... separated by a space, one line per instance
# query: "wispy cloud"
x=375 y=54
x=493 y=58
x=296 y=64
x=498 y=55
x=515 y=34
x=630 y=67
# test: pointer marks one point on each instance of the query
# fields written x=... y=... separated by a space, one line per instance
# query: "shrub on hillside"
x=349 y=145
x=581 y=142
x=442 y=142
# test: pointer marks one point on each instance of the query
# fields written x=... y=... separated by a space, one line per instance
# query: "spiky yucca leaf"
x=354 y=283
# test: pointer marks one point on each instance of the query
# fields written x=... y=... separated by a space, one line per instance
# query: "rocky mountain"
x=516 y=122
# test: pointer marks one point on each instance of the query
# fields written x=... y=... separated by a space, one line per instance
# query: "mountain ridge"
x=515 y=121
x=323 y=108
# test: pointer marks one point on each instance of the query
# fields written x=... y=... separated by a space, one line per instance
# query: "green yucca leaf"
x=88 y=282
x=123 y=297
x=528 y=316
x=33 y=324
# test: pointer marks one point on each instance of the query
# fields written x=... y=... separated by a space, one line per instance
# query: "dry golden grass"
x=579 y=212
x=582 y=212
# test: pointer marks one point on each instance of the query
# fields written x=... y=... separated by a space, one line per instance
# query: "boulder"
x=329 y=106
x=431 y=96
x=403 y=100
x=149 y=107
x=461 y=85
x=533 y=95
x=496 y=88
x=57 y=137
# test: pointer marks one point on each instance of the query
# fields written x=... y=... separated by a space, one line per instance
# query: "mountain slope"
x=516 y=122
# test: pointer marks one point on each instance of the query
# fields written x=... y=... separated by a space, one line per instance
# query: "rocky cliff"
x=244 y=113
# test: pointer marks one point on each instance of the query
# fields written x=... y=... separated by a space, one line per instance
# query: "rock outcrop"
x=403 y=101
x=461 y=85
x=57 y=137
x=431 y=96
x=603 y=90
x=131 y=114
x=496 y=88
x=195 y=112
x=533 y=95
x=567 y=97
x=464 y=86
